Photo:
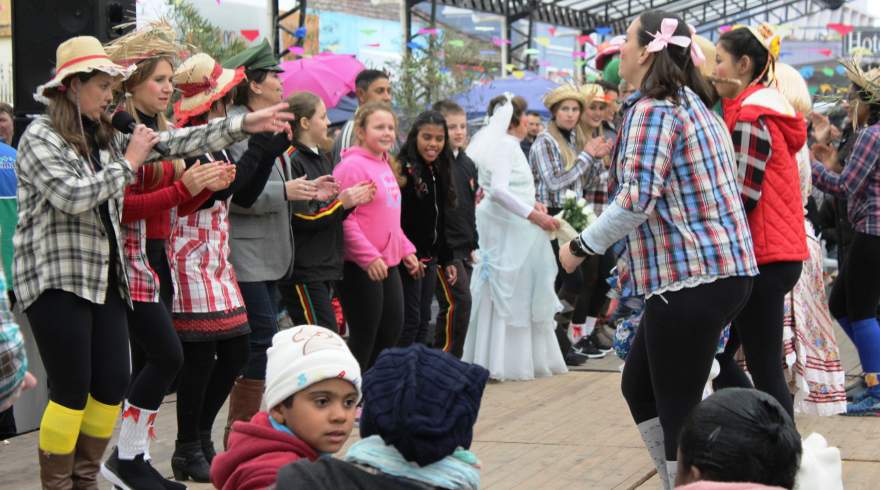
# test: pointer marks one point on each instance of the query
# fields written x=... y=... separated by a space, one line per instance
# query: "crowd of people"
x=155 y=250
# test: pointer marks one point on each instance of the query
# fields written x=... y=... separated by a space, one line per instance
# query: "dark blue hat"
x=422 y=401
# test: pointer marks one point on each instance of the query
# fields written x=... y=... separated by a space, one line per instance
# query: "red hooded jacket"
x=256 y=452
x=777 y=222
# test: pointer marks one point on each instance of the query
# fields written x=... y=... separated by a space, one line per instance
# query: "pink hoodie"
x=372 y=230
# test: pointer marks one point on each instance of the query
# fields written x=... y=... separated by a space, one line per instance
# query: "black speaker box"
x=39 y=26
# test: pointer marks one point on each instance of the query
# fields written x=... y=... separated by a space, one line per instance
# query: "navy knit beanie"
x=422 y=401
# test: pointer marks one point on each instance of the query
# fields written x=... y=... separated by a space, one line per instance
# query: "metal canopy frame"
x=588 y=15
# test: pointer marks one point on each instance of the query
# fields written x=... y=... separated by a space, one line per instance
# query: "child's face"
x=378 y=133
x=457 y=126
x=318 y=122
x=430 y=141
x=322 y=415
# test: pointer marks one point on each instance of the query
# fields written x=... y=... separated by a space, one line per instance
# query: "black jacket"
x=461 y=224
x=423 y=212
x=335 y=474
x=317 y=233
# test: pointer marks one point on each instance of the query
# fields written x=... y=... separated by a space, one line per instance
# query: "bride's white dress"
x=511 y=330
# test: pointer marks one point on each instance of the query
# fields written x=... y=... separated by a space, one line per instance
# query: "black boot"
x=207 y=446
x=136 y=474
x=188 y=462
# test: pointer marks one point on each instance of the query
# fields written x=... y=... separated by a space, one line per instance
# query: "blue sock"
x=866 y=335
x=846 y=326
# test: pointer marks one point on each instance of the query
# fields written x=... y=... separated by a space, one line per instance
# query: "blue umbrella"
x=343 y=111
x=531 y=87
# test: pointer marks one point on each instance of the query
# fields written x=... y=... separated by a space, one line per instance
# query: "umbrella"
x=327 y=76
x=343 y=111
x=531 y=87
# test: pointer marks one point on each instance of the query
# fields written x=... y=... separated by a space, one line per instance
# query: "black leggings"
x=758 y=328
x=309 y=303
x=209 y=371
x=159 y=263
x=84 y=346
x=374 y=311
x=671 y=355
x=418 y=294
x=153 y=332
x=856 y=291
x=594 y=287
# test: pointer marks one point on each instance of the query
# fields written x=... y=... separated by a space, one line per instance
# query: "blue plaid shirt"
x=675 y=164
x=859 y=183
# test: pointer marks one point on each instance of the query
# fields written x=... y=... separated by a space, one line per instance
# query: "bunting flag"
x=458 y=43
x=488 y=52
x=373 y=45
x=425 y=31
x=543 y=41
x=250 y=34
x=414 y=45
x=301 y=32
x=828 y=72
x=369 y=32
x=578 y=54
x=552 y=31
x=497 y=41
x=841 y=70
x=826 y=52
x=532 y=51
x=484 y=28
x=585 y=39
x=603 y=31
x=519 y=74
x=842 y=29
x=807 y=72
x=297 y=50
x=724 y=29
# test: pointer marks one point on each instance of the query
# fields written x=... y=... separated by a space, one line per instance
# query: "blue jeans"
x=260 y=300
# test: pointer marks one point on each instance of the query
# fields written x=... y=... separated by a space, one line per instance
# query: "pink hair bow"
x=666 y=36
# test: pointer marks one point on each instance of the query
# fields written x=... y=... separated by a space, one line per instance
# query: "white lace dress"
x=511 y=330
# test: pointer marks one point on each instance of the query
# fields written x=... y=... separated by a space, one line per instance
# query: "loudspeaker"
x=39 y=26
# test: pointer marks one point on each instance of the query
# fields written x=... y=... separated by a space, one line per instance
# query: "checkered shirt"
x=859 y=183
x=671 y=163
x=551 y=177
x=60 y=241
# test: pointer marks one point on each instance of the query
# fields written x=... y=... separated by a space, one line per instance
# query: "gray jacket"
x=261 y=236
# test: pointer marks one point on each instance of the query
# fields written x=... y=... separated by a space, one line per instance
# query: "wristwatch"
x=578 y=248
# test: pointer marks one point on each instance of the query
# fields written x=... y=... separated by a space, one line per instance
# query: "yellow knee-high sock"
x=59 y=429
x=99 y=419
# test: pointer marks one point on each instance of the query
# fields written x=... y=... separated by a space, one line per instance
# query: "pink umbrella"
x=329 y=76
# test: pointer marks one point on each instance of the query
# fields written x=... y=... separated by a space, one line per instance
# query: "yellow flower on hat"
x=767 y=36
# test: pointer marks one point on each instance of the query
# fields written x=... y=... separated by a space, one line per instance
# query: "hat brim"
x=554 y=97
x=188 y=107
x=110 y=68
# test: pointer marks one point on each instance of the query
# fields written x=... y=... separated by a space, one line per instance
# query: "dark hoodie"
x=317 y=233
x=423 y=210
x=256 y=452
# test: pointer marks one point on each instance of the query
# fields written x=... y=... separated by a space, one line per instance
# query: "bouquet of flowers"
x=574 y=218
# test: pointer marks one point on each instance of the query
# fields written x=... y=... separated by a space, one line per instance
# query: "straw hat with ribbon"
x=771 y=41
x=593 y=92
x=202 y=81
x=564 y=92
x=157 y=40
x=83 y=54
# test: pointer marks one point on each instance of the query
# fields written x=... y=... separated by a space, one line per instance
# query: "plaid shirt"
x=60 y=241
x=752 y=146
x=671 y=163
x=13 y=361
x=596 y=194
x=859 y=183
x=551 y=178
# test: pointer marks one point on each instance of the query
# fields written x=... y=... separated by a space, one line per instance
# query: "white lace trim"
x=690 y=282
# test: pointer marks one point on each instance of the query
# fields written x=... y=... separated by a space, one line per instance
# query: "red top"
x=153 y=206
x=777 y=221
x=256 y=452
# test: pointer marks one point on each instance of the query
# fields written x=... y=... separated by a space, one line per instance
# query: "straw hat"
x=768 y=38
x=708 y=47
x=564 y=92
x=868 y=81
x=793 y=87
x=202 y=81
x=158 y=39
x=83 y=54
x=593 y=92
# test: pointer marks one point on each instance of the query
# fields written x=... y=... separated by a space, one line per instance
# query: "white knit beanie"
x=304 y=355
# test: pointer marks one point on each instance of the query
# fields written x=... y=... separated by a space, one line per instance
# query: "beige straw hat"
x=593 y=92
x=564 y=92
x=83 y=54
x=201 y=81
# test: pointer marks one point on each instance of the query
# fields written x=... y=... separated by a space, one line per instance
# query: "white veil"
x=488 y=144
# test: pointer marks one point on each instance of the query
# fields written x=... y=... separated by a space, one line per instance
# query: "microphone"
x=124 y=123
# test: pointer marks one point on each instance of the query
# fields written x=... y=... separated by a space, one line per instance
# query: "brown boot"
x=56 y=470
x=87 y=461
x=244 y=402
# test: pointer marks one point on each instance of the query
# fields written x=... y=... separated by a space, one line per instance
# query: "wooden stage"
x=567 y=432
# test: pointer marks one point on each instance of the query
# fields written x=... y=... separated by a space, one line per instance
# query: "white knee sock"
x=652 y=434
x=671 y=472
x=134 y=435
